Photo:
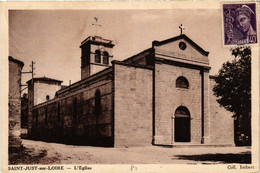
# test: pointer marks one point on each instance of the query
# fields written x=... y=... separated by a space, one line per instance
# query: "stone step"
x=185 y=145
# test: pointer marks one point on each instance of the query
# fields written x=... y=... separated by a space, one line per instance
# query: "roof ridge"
x=44 y=78
x=182 y=36
x=10 y=58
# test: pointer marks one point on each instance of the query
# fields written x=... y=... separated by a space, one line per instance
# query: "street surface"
x=37 y=152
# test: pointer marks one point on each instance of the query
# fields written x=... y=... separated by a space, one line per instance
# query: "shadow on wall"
x=244 y=157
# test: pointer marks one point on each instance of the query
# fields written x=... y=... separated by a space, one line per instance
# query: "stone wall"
x=75 y=117
x=221 y=121
x=95 y=68
x=30 y=105
x=143 y=58
x=37 y=93
x=133 y=105
x=14 y=97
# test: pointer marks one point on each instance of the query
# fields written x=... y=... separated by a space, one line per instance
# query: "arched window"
x=182 y=82
x=36 y=117
x=58 y=112
x=105 y=58
x=97 y=103
x=46 y=116
x=47 y=97
x=97 y=56
x=75 y=109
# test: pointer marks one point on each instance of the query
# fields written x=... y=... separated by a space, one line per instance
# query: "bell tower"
x=96 y=55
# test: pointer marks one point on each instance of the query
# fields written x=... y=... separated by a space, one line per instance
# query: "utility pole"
x=32 y=72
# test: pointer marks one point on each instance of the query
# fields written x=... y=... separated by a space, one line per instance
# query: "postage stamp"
x=240 y=26
x=129 y=87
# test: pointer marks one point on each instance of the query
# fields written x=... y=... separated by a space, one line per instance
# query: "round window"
x=182 y=45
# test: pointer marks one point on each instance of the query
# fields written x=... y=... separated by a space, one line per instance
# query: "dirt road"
x=53 y=153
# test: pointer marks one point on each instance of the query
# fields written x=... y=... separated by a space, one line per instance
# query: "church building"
x=160 y=96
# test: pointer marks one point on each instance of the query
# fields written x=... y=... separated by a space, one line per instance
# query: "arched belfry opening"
x=97 y=103
x=105 y=58
x=96 y=55
x=182 y=125
x=75 y=110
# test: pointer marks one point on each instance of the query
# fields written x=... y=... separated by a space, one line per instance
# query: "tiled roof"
x=45 y=79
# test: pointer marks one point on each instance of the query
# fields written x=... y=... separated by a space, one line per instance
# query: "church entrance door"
x=182 y=125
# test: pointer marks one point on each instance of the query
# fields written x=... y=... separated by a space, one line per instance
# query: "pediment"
x=181 y=48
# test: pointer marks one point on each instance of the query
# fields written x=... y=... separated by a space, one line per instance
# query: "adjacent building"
x=14 y=103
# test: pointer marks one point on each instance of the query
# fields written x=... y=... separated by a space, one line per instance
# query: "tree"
x=233 y=89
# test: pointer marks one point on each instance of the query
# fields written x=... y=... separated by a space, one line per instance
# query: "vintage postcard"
x=129 y=87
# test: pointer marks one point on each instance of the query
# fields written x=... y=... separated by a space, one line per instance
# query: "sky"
x=51 y=38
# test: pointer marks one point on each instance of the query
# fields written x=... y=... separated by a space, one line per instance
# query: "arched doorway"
x=182 y=125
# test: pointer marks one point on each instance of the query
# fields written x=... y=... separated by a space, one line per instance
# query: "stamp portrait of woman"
x=243 y=24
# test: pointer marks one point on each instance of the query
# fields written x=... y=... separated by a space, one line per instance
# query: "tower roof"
x=97 y=40
x=46 y=79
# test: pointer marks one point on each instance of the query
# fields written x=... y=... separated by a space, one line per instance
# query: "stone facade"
x=15 y=68
x=133 y=105
x=161 y=96
x=169 y=97
x=172 y=62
